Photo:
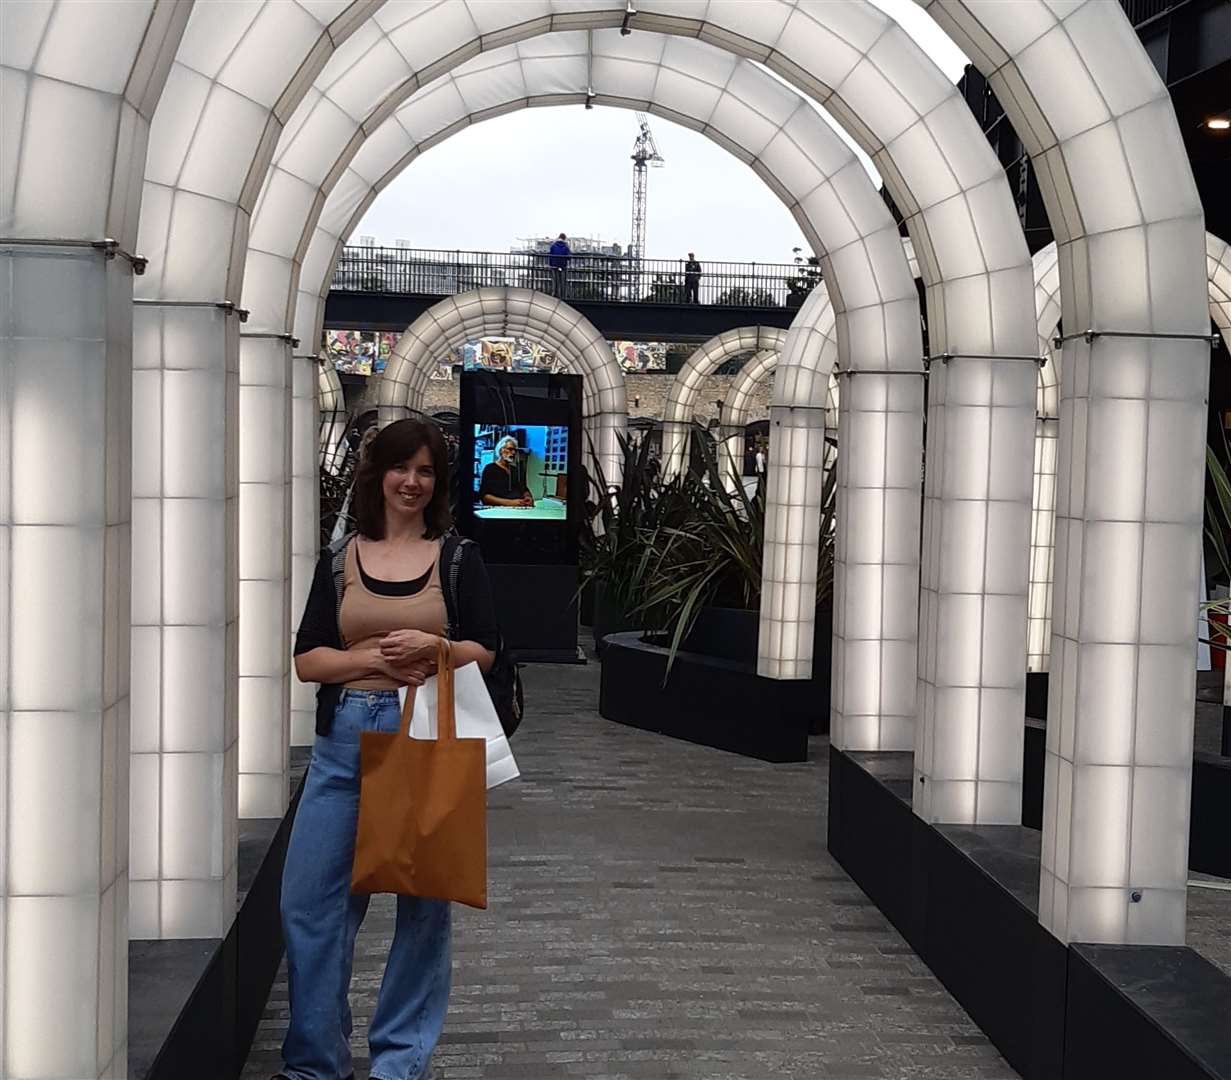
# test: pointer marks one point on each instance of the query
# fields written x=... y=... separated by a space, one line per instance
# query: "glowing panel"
x=265 y=453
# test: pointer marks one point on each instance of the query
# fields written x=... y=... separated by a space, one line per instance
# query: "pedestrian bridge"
x=384 y=288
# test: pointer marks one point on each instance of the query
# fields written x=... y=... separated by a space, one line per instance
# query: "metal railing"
x=587 y=277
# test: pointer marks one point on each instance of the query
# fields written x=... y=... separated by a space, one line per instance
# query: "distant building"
x=580 y=245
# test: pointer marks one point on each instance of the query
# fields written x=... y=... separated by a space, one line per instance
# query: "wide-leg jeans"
x=320 y=919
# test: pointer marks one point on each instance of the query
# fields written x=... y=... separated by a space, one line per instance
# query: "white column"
x=602 y=432
x=305 y=526
x=730 y=450
x=185 y=629
x=65 y=467
x=876 y=570
x=974 y=585
x=1042 y=540
x=675 y=456
x=1123 y=658
x=264 y=574
x=788 y=569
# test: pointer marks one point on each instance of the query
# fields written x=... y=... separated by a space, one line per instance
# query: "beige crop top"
x=366 y=616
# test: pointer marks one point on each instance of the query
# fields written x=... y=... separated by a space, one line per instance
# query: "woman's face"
x=408 y=486
x=508 y=451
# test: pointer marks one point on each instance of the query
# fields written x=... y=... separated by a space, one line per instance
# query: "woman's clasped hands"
x=410 y=655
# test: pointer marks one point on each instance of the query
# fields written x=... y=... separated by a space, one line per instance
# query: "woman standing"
x=499 y=485
x=374 y=616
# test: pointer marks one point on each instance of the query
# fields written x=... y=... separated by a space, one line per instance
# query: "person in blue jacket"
x=557 y=258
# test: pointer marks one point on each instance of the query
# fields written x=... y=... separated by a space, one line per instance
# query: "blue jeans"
x=320 y=919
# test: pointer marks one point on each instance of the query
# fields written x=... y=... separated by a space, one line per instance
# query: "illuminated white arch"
x=731 y=430
x=738 y=399
x=238 y=74
x=852 y=57
x=983 y=264
x=1047 y=303
x=861 y=204
x=1097 y=122
x=80 y=84
x=521 y=313
x=737 y=406
x=730 y=100
x=1218 y=268
x=329 y=389
x=1046 y=448
x=688 y=381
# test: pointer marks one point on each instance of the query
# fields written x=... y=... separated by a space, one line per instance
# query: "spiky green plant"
x=664 y=550
x=708 y=549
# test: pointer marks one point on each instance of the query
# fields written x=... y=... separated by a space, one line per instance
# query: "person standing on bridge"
x=558 y=256
x=692 y=279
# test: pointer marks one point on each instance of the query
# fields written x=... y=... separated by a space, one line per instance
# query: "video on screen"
x=521 y=471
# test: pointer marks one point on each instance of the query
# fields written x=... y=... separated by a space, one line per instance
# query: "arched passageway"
x=687 y=384
x=1096 y=122
x=956 y=258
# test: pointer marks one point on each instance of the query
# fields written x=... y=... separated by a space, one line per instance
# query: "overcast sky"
x=539 y=172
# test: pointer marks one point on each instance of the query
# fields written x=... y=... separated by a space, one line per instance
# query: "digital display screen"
x=521 y=471
x=521 y=485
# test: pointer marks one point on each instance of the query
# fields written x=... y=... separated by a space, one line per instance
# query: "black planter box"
x=730 y=635
x=1209 y=838
x=707 y=700
x=1149 y=1011
x=609 y=617
x=966 y=898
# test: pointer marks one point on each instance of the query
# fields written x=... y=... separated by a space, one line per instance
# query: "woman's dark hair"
x=399 y=442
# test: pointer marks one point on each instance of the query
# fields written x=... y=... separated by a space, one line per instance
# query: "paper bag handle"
x=446 y=722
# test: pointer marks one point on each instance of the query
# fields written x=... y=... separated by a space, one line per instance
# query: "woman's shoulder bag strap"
x=337 y=556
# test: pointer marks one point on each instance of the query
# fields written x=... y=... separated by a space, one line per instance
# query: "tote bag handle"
x=446 y=721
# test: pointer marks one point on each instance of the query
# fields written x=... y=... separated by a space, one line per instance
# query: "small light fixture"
x=1218 y=123
x=629 y=12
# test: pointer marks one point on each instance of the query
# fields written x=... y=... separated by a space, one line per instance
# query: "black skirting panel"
x=213 y=1033
x=1209 y=840
x=1146 y=1011
x=873 y=799
x=706 y=700
x=984 y=941
x=966 y=898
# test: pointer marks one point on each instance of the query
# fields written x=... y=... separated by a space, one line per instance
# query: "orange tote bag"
x=423 y=808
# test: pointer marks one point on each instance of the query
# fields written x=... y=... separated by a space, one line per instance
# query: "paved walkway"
x=660 y=910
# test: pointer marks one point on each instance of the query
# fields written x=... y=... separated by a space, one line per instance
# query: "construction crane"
x=644 y=153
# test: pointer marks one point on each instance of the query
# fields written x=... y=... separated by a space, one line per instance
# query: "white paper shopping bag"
x=476 y=719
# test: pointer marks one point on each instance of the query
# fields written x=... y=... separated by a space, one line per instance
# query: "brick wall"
x=651 y=392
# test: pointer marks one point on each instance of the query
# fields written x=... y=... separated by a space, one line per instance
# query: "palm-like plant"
x=666 y=549
x=617 y=518
x=709 y=547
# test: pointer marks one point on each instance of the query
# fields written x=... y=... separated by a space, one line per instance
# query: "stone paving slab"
x=662 y=910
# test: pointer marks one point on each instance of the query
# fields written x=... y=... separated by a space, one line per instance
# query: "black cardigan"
x=319 y=626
